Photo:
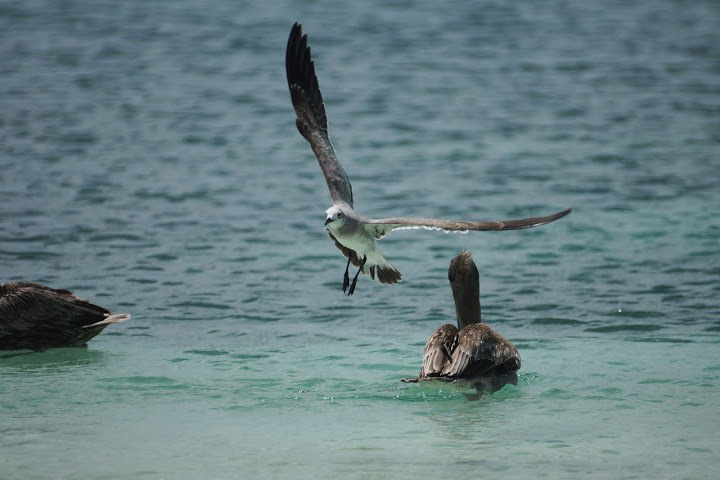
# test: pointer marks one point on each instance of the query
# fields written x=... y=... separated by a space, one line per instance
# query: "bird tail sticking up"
x=110 y=318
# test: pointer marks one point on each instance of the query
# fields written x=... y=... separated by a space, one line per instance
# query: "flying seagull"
x=356 y=236
x=472 y=352
x=36 y=317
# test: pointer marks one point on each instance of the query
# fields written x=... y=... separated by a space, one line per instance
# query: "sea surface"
x=149 y=162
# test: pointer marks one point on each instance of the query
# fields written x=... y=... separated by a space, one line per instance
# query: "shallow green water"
x=149 y=162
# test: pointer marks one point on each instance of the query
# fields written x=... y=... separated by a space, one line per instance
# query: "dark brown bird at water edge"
x=472 y=351
x=36 y=317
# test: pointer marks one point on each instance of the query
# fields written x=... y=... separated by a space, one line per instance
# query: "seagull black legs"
x=354 y=282
x=346 y=278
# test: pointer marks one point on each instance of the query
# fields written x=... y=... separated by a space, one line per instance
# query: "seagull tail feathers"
x=386 y=273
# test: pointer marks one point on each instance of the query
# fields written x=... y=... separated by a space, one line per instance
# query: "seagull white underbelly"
x=362 y=244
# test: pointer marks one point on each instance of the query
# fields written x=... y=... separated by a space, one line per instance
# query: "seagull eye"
x=340 y=214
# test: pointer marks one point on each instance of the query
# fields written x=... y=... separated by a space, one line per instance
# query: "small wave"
x=30 y=255
x=641 y=314
x=250 y=356
x=208 y=353
x=557 y=321
x=637 y=327
x=541 y=307
x=142 y=384
x=663 y=340
x=209 y=305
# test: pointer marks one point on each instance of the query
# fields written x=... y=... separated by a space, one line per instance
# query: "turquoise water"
x=149 y=162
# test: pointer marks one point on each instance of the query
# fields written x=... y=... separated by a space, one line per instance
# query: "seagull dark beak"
x=328 y=220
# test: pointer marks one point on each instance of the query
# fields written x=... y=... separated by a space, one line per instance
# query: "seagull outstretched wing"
x=311 y=118
x=379 y=228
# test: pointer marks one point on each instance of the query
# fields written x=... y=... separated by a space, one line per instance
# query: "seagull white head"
x=335 y=218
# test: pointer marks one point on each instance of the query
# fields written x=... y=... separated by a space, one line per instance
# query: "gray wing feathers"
x=479 y=351
x=379 y=228
x=311 y=117
x=438 y=350
x=473 y=352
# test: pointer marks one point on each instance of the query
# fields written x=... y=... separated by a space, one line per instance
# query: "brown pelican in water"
x=352 y=233
x=36 y=317
x=474 y=354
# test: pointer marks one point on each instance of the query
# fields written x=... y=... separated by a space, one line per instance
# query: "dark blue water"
x=149 y=162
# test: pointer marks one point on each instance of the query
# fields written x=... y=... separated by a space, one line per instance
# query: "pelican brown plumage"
x=36 y=317
x=472 y=351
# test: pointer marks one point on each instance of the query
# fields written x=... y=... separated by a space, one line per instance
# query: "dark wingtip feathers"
x=302 y=81
x=298 y=61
